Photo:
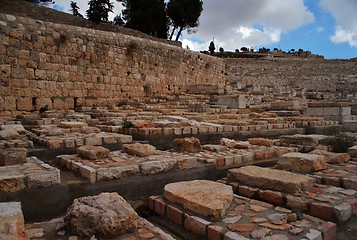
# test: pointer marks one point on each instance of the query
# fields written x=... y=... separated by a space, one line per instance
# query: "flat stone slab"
x=12 y=221
x=273 y=179
x=72 y=124
x=210 y=199
x=302 y=162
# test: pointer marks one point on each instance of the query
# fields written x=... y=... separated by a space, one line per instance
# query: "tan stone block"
x=58 y=103
x=24 y=104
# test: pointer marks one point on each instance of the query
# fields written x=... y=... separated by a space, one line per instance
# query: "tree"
x=74 y=9
x=98 y=10
x=118 y=20
x=244 y=49
x=184 y=14
x=221 y=49
x=211 y=48
x=148 y=16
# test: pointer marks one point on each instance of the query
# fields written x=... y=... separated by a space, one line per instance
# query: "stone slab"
x=201 y=196
x=272 y=179
x=302 y=162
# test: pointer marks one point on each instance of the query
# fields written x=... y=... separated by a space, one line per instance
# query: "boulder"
x=92 y=152
x=138 y=149
x=106 y=215
x=208 y=198
x=352 y=151
x=191 y=145
x=8 y=134
x=302 y=162
x=12 y=156
x=261 y=142
x=271 y=179
x=331 y=157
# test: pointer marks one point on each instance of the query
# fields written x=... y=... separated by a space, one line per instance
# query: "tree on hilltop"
x=184 y=14
x=118 y=20
x=211 y=47
x=99 y=10
x=74 y=9
x=148 y=16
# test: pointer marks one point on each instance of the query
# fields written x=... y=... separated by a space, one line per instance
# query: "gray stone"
x=154 y=167
x=314 y=235
x=343 y=212
x=116 y=172
x=276 y=237
x=352 y=151
x=233 y=236
x=12 y=221
x=262 y=232
x=106 y=215
x=8 y=134
x=278 y=218
x=43 y=179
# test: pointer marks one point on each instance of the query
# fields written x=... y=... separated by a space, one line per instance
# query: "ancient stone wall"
x=310 y=74
x=63 y=66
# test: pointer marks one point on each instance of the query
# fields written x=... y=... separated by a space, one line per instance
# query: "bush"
x=127 y=124
x=340 y=142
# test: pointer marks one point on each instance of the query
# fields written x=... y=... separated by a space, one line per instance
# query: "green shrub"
x=127 y=124
x=340 y=142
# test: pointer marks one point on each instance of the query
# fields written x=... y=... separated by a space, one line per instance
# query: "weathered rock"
x=72 y=124
x=278 y=218
x=272 y=179
x=138 y=149
x=12 y=221
x=106 y=215
x=201 y=196
x=332 y=157
x=12 y=183
x=12 y=156
x=215 y=148
x=8 y=134
x=17 y=127
x=261 y=141
x=352 y=151
x=261 y=232
x=230 y=143
x=300 y=139
x=191 y=145
x=93 y=152
x=302 y=162
x=343 y=212
x=154 y=167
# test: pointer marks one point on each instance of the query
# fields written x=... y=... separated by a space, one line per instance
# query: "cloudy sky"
x=325 y=27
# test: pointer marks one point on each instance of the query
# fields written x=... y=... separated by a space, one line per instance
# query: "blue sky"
x=324 y=27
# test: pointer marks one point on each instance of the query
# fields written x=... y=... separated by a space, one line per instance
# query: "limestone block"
x=332 y=157
x=261 y=142
x=208 y=198
x=311 y=111
x=302 y=162
x=93 y=152
x=116 y=172
x=12 y=221
x=271 y=179
x=187 y=163
x=8 y=134
x=17 y=127
x=24 y=104
x=196 y=225
x=352 y=151
x=122 y=138
x=331 y=111
x=93 y=141
x=12 y=156
x=154 y=167
x=88 y=172
x=345 y=111
x=43 y=179
x=138 y=149
x=11 y=182
x=72 y=124
x=106 y=215
x=214 y=148
x=191 y=145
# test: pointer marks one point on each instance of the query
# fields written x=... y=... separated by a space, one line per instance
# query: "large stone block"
x=106 y=215
x=93 y=152
x=191 y=145
x=8 y=134
x=43 y=179
x=138 y=149
x=272 y=179
x=210 y=199
x=302 y=162
x=12 y=156
x=153 y=167
x=12 y=221
x=352 y=151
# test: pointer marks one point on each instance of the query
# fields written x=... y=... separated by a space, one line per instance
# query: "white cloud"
x=344 y=12
x=237 y=23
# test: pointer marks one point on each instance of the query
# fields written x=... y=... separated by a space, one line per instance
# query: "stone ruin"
x=201 y=147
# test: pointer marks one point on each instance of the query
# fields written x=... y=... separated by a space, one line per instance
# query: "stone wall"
x=334 y=77
x=63 y=66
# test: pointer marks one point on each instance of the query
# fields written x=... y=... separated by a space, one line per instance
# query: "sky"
x=324 y=27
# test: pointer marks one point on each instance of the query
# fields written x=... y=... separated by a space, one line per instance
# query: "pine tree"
x=99 y=10
x=74 y=9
